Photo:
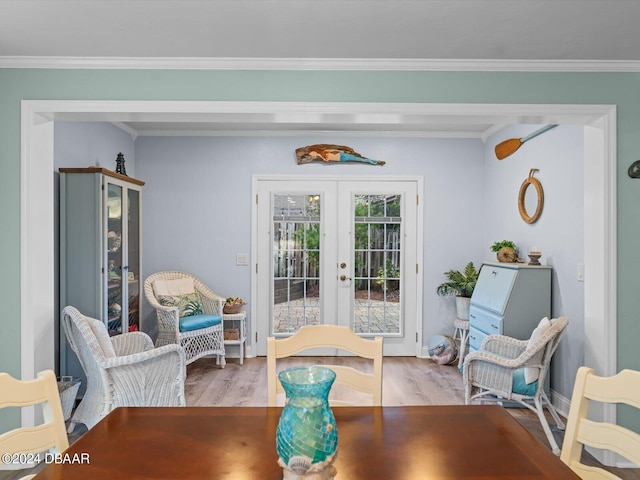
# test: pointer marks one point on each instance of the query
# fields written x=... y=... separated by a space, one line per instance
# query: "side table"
x=235 y=330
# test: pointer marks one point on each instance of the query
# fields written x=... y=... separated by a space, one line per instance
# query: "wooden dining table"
x=480 y=442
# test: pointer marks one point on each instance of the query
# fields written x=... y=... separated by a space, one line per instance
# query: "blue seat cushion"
x=196 y=322
x=522 y=387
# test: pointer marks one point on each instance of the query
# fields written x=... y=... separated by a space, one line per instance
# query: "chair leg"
x=554 y=413
x=464 y=335
x=545 y=425
x=467 y=393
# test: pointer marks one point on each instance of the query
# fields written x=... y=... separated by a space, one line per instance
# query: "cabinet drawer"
x=475 y=339
x=484 y=321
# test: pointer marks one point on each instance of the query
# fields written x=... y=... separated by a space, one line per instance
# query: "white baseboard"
x=560 y=403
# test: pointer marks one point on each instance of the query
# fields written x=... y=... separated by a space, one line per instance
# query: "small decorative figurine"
x=120 y=164
x=534 y=256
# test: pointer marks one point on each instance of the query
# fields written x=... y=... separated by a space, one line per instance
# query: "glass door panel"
x=296 y=261
x=377 y=226
x=133 y=261
x=114 y=256
x=377 y=291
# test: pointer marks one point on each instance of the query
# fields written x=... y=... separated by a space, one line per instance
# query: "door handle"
x=343 y=277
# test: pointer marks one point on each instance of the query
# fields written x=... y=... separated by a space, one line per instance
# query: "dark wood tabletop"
x=434 y=442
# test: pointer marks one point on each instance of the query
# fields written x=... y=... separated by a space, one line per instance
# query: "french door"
x=338 y=251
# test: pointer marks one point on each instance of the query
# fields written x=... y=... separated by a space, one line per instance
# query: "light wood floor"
x=406 y=381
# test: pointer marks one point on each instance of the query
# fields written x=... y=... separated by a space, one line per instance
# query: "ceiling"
x=334 y=30
x=400 y=29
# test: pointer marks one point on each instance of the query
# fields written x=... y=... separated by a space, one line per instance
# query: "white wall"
x=197 y=203
x=559 y=232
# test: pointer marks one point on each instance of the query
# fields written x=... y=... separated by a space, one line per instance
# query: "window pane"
x=377 y=260
x=296 y=262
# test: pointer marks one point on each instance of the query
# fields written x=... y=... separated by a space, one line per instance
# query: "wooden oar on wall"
x=508 y=147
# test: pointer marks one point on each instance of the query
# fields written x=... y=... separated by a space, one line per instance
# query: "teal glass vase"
x=307 y=427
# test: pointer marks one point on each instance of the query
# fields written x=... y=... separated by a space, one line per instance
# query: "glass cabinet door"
x=133 y=260
x=114 y=255
x=122 y=265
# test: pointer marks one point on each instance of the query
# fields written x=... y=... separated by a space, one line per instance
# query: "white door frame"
x=36 y=192
x=415 y=310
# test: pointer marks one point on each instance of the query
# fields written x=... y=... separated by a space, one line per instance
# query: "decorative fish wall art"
x=329 y=153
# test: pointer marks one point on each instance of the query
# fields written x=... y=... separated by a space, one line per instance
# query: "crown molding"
x=299 y=133
x=361 y=64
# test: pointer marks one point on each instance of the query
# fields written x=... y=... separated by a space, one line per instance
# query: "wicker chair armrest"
x=489 y=371
x=168 y=319
x=504 y=346
x=130 y=343
x=166 y=309
x=522 y=360
x=147 y=379
x=495 y=359
x=212 y=303
x=172 y=350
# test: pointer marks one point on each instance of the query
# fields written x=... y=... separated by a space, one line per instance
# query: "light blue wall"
x=197 y=203
x=621 y=89
x=84 y=144
x=559 y=232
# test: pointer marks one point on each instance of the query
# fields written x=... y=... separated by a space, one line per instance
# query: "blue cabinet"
x=509 y=299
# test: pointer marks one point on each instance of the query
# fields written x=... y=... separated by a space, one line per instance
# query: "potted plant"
x=233 y=305
x=506 y=251
x=460 y=284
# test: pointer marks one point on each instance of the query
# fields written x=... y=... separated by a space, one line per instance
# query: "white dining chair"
x=335 y=337
x=48 y=437
x=623 y=388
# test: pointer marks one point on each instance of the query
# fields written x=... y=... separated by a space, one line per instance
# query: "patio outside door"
x=338 y=251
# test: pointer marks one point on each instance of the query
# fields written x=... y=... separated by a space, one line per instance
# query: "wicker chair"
x=199 y=342
x=122 y=371
x=495 y=373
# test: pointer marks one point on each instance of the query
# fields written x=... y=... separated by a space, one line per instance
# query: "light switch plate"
x=242 y=259
x=580 y=272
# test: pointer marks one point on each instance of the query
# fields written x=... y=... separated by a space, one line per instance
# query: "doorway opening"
x=37 y=272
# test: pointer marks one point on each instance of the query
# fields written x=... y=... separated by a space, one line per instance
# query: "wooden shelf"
x=104 y=171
